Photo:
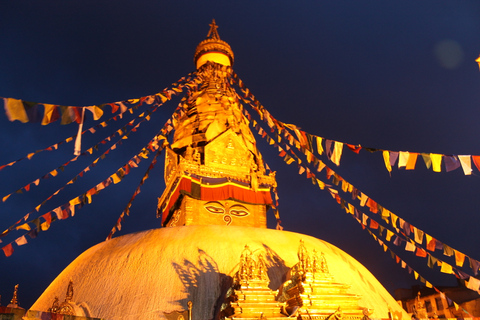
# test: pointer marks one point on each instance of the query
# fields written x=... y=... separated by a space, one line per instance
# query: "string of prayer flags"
x=25 y=111
x=86 y=198
x=103 y=124
x=54 y=172
x=406 y=159
x=126 y=211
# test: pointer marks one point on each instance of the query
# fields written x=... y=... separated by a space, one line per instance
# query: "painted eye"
x=214 y=209
x=239 y=211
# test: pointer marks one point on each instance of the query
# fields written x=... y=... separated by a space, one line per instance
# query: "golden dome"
x=144 y=274
x=215 y=46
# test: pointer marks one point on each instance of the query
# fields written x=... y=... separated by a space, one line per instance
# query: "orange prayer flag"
x=412 y=160
x=459 y=258
x=15 y=110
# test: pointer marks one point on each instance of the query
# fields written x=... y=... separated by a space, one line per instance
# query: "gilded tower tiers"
x=213 y=170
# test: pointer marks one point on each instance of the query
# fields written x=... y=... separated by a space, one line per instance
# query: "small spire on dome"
x=213 y=33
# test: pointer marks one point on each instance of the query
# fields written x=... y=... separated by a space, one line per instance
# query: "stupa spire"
x=213 y=49
x=214 y=173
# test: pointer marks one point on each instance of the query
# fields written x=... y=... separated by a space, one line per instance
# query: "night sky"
x=391 y=75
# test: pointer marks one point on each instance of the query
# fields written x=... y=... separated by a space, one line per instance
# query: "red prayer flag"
x=476 y=160
x=8 y=250
x=373 y=224
x=355 y=149
x=421 y=253
x=48 y=217
x=372 y=205
x=431 y=245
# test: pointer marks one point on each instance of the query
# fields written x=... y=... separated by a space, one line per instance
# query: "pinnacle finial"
x=213 y=33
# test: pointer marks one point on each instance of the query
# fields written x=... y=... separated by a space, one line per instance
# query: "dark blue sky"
x=392 y=75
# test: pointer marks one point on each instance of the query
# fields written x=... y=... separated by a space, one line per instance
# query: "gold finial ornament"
x=14 y=300
x=219 y=50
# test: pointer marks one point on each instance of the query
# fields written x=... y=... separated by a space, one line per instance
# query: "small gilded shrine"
x=214 y=257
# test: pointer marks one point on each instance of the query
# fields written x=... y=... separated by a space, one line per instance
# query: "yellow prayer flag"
x=96 y=111
x=446 y=268
x=402 y=159
x=456 y=305
x=116 y=179
x=389 y=235
x=321 y=185
x=351 y=208
x=6 y=197
x=53 y=173
x=45 y=226
x=24 y=226
x=47 y=115
x=15 y=110
x=436 y=161
x=337 y=152
x=30 y=155
x=428 y=284
x=394 y=219
x=75 y=201
x=69 y=139
x=415 y=273
x=386 y=159
x=478 y=61
x=319 y=145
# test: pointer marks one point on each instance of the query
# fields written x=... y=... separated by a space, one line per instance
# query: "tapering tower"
x=214 y=172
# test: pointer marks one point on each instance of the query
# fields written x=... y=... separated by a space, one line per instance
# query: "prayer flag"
x=8 y=250
x=473 y=284
x=447 y=250
x=412 y=160
x=24 y=226
x=421 y=253
x=446 y=268
x=418 y=235
x=393 y=158
x=410 y=246
x=96 y=111
x=15 y=110
x=476 y=161
x=389 y=235
x=319 y=145
x=403 y=159
x=337 y=152
x=466 y=163
x=427 y=160
x=451 y=163
x=459 y=258
x=430 y=242
x=21 y=241
x=386 y=159
x=436 y=162
x=475 y=265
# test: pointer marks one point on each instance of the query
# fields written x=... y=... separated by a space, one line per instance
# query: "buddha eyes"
x=239 y=211
x=217 y=208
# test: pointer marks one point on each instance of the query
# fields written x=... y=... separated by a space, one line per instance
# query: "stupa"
x=214 y=254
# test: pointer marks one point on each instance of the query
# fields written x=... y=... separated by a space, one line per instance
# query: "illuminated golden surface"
x=215 y=57
x=144 y=274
